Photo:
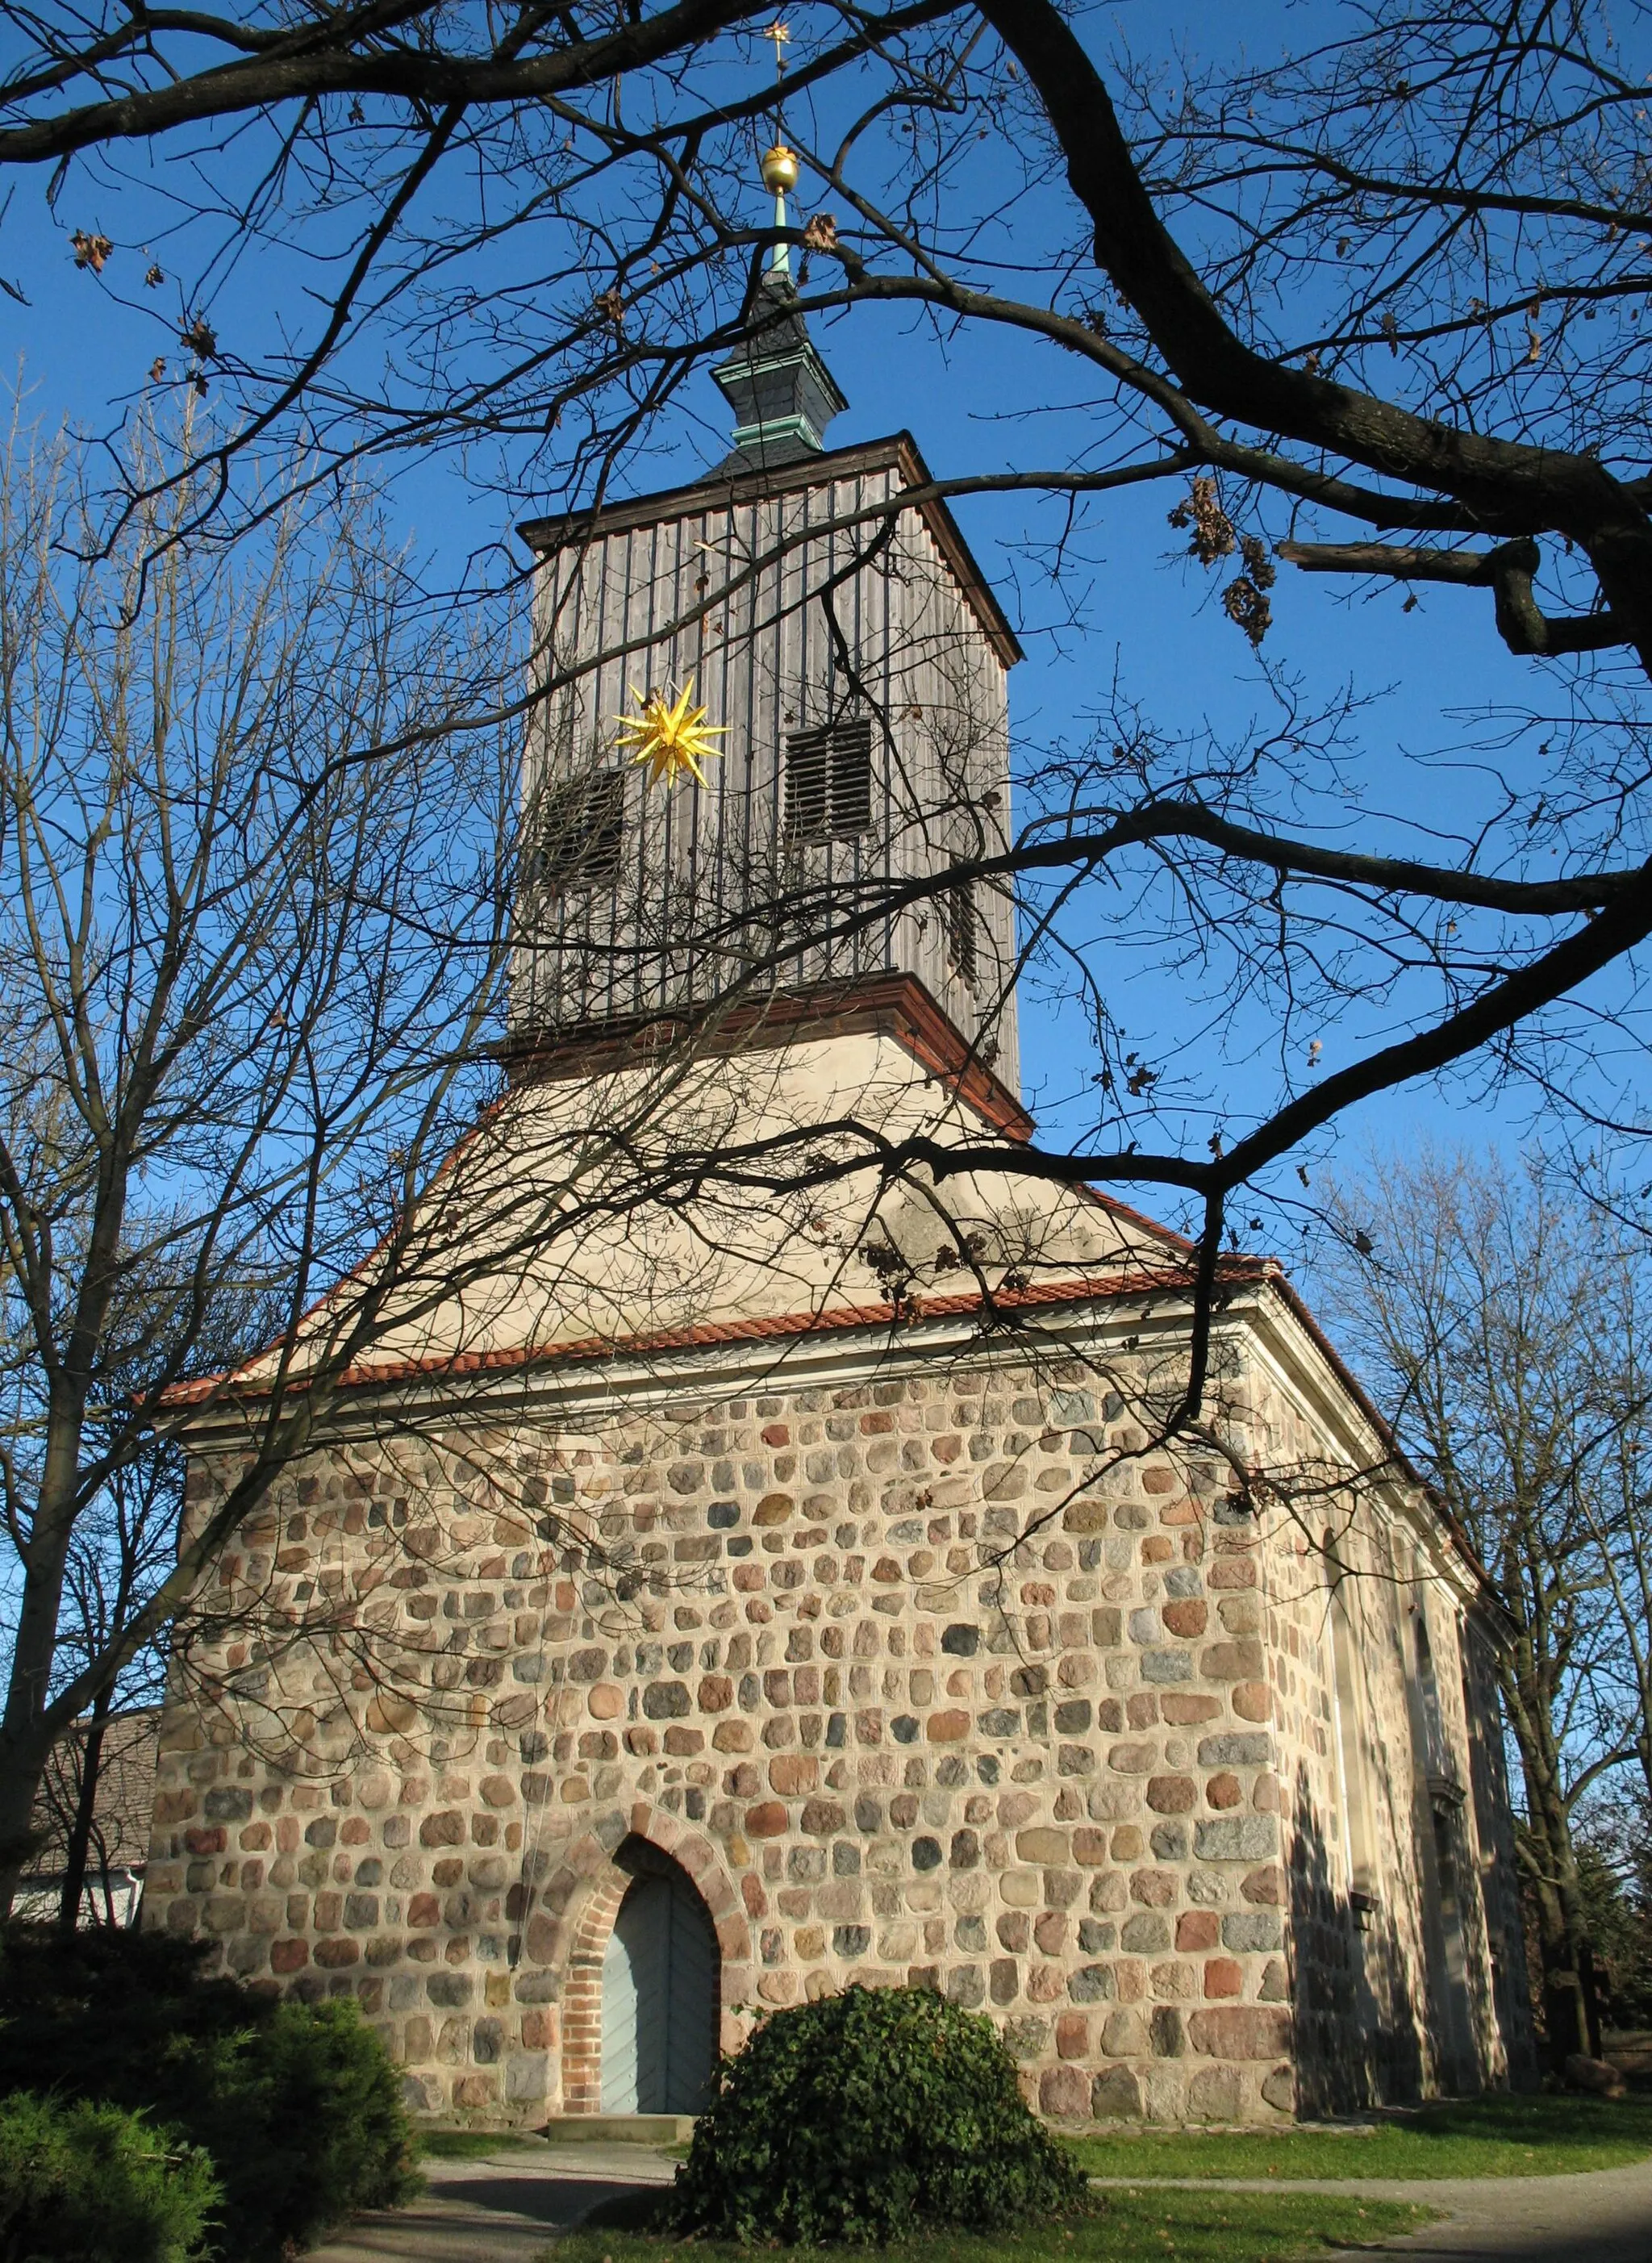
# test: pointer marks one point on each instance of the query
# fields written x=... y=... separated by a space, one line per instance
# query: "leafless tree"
x=250 y=976
x=1500 y=1313
x=1374 y=312
x=123 y=1549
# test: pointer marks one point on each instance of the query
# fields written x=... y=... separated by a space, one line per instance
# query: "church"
x=759 y=1556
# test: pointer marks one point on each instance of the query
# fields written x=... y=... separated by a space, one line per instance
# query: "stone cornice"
x=895 y=1006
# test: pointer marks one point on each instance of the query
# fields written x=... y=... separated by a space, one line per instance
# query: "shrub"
x=302 y=2114
x=298 y=2105
x=864 y=2115
x=81 y=2183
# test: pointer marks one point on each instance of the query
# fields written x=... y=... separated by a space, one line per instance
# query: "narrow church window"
x=582 y=831
x=963 y=932
x=829 y=780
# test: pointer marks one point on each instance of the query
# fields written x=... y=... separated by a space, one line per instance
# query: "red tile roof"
x=1082 y=1289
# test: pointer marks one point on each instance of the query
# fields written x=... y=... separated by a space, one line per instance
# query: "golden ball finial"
x=780 y=169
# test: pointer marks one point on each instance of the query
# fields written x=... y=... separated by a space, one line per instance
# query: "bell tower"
x=823 y=610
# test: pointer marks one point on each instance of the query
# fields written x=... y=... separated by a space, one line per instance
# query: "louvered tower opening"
x=828 y=775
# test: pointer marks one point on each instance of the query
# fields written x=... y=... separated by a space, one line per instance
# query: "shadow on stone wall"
x=1499 y=1891
x=1361 y=2037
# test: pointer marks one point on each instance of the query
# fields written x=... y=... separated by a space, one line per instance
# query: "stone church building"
x=756 y=1561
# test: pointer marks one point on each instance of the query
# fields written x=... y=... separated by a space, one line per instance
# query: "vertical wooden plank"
x=691 y=2022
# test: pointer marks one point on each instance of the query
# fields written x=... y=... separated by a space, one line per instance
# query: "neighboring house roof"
x=123 y=1816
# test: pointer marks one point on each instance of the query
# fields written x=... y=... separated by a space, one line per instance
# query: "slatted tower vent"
x=963 y=932
x=582 y=831
x=829 y=780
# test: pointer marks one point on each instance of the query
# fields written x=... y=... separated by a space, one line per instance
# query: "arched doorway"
x=660 y=1991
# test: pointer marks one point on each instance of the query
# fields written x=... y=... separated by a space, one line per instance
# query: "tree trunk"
x=1567 y=1976
x=1571 y=2013
x=85 y=1813
x=24 y=1743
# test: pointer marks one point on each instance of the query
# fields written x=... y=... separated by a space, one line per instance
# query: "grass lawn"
x=468 y=2145
x=1126 y=2226
x=1540 y=2136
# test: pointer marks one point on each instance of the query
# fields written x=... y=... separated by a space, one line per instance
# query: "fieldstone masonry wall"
x=1085 y=1788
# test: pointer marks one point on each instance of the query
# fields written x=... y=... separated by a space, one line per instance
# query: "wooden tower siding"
x=702 y=873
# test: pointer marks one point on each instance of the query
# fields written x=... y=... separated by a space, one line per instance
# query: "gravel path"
x=504 y=2210
x=1603 y=2217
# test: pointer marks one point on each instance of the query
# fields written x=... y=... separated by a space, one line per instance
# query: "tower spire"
x=780 y=173
x=783 y=394
x=780 y=163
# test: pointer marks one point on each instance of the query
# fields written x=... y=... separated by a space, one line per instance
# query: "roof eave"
x=716 y=489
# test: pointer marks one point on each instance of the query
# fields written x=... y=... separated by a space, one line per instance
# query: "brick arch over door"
x=581 y=1900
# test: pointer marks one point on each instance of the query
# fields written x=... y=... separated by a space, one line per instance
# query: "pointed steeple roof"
x=783 y=394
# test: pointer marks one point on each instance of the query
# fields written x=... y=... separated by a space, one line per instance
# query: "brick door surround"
x=589 y=1887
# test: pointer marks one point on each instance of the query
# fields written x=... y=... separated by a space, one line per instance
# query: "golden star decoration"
x=669 y=734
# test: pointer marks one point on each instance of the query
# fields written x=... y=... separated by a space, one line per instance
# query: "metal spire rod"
x=780 y=163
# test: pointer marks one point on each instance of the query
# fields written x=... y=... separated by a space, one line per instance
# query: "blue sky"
x=1149 y=618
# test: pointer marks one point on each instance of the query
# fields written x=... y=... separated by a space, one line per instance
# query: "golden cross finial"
x=780 y=32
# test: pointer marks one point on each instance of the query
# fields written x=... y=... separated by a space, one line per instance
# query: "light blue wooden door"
x=660 y=1991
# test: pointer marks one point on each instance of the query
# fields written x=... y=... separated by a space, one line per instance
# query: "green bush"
x=297 y=2105
x=866 y=2115
x=81 y=2183
x=302 y=2114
